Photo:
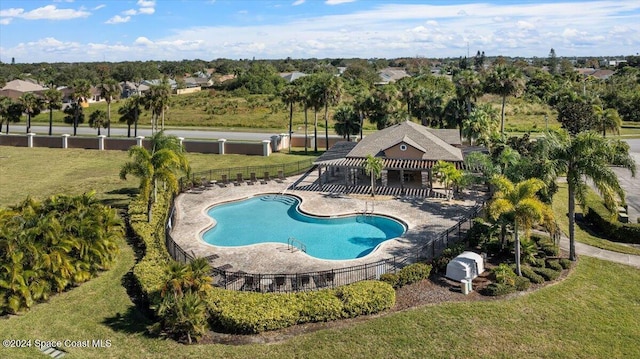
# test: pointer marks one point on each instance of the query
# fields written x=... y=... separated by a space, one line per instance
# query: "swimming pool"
x=275 y=218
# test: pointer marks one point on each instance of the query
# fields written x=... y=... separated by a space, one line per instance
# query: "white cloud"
x=338 y=2
x=298 y=2
x=5 y=21
x=99 y=7
x=143 y=3
x=12 y=12
x=146 y=10
x=432 y=23
x=143 y=41
x=525 y=25
x=130 y=12
x=118 y=19
x=51 y=12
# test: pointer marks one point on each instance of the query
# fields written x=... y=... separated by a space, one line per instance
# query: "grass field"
x=591 y=314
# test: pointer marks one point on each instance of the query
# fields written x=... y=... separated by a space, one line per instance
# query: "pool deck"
x=424 y=217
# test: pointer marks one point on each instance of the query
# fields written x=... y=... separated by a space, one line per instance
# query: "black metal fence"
x=231 y=174
x=307 y=281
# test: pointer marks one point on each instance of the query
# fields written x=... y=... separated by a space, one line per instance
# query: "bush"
x=504 y=274
x=522 y=283
x=554 y=264
x=565 y=263
x=547 y=273
x=413 y=273
x=492 y=247
x=497 y=289
x=479 y=232
x=538 y=262
x=549 y=248
x=528 y=272
x=440 y=263
x=601 y=222
x=365 y=297
x=390 y=278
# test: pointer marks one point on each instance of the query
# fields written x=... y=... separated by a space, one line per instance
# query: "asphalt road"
x=631 y=185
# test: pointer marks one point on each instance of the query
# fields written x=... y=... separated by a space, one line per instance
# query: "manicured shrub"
x=538 y=262
x=554 y=264
x=565 y=263
x=522 y=283
x=365 y=297
x=479 y=232
x=390 y=278
x=547 y=273
x=498 y=289
x=413 y=273
x=440 y=263
x=602 y=222
x=549 y=248
x=504 y=274
x=528 y=272
x=492 y=247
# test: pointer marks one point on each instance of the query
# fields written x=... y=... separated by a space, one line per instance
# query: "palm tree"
x=589 y=156
x=346 y=122
x=505 y=81
x=157 y=101
x=53 y=100
x=129 y=113
x=12 y=112
x=161 y=164
x=468 y=87
x=373 y=167
x=98 y=119
x=480 y=125
x=81 y=91
x=110 y=90
x=5 y=102
x=31 y=105
x=449 y=175
x=290 y=95
x=332 y=93
x=608 y=119
x=520 y=201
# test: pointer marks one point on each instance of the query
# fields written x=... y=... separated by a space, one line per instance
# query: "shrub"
x=492 y=247
x=600 y=220
x=528 y=272
x=479 y=232
x=565 y=263
x=497 y=289
x=554 y=264
x=547 y=273
x=522 y=283
x=365 y=297
x=549 y=248
x=390 y=278
x=413 y=273
x=538 y=262
x=504 y=274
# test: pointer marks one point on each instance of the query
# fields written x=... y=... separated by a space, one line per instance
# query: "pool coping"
x=424 y=219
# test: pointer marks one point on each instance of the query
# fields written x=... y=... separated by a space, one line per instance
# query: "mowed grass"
x=560 y=209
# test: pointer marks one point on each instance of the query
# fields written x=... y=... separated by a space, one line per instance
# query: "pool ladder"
x=293 y=243
x=367 y=211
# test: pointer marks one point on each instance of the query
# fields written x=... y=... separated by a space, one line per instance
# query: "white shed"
x=466 y=265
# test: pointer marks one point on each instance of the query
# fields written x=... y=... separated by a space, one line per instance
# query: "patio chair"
x=265 y=179
x=281 y=177
x=249 y=283
x=278 y=284
x=239 y=179
x=224 y=182
x=252 y=179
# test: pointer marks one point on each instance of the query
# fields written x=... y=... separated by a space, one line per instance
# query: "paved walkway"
x=591 y=251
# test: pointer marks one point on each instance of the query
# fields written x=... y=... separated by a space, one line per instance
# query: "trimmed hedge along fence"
x=600 y=219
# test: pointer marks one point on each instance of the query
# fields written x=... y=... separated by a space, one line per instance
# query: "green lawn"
x=560 y=209
x=591 y=314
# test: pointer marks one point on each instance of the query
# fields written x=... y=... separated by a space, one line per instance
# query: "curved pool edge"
x=300 y=201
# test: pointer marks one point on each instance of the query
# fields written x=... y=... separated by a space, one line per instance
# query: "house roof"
x=22 y=86
x=292 y=76
x=391 y=74
x=434 y=143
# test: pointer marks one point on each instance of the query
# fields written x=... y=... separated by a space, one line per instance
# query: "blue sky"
x=121 y=30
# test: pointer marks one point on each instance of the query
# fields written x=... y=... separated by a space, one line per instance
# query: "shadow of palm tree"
x=137 y=318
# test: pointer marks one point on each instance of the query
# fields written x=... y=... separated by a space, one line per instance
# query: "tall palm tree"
x=480 y=125
x=289 y=96
x=588 y=155
x=505 y=80
x=468 y=87
x=81 y=92
x=332 y=94
x=520 y=201
x=166 y=158
x=98 y=119
x=346 y=122
x=373 y=167
x=5 y=102
x=53 y=101
x=31 y=105
x=608 y=119
x=110 y=89
x=129 y=113
x=157 y=101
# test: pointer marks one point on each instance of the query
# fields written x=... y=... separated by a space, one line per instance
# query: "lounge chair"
x=252 y=179
x=278 y=284
x=281 y=177
x=239 y=180
x=249 y=283
x=224 y=182
x=265 y=179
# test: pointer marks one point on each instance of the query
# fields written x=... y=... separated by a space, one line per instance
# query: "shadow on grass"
x=138 y=317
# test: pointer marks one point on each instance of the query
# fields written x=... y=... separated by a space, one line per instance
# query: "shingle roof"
x=22 y=86
x=434 y=146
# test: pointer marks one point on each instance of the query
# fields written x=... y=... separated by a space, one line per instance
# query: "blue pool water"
x=275 y=218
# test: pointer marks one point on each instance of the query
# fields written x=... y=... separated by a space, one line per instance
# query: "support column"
x=30 y=136
x=65 y=140
x=181 y=139
x=139 y=141
x=221 y=145
x=401 y=181
x=101 y=142
x=424 y=178
x=320 y=177
x=266 y=149
x=384 y=178
x=285 y=140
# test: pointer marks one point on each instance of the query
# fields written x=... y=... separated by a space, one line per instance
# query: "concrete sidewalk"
x=590 y=251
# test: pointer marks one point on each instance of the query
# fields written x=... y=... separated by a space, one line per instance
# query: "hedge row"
x=247 y=312
x=600 y=219
x=250 y=312
x=410 y=274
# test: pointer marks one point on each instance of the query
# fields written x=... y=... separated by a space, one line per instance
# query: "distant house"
x=131 y=88
x=601 y=74
x=197 y=82
x=292 y=76
x=16 y=88
x=408 y=151
x=150 y=83
x=391 y=74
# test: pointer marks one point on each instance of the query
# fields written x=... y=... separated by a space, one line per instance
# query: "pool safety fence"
x=286 y=283
x=227 y=176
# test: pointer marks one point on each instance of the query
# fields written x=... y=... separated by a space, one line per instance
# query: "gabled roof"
x=423 y=138
x=292 y=76
x=392 y=74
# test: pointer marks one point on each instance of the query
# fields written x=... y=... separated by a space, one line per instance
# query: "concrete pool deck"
x=425 y=219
